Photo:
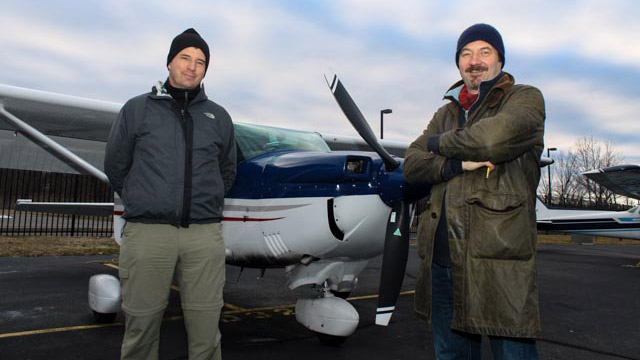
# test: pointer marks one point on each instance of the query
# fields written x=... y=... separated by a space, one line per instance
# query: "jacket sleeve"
x=227 y=159
x=422 y=166
x=119 y=152
x=514 y=130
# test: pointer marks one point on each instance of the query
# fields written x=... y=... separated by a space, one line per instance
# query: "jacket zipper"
x=188 y=144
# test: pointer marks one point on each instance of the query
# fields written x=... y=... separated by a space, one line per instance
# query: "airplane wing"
x=622 y=179
x=59 y=115
x=82 y=125
x=351 y=143
x=63 y=127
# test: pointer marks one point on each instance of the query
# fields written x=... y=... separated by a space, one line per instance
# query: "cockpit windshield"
x=254 y=140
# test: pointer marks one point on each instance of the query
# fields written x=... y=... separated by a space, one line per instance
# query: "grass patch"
x=31 y=246
x=601 y=240
x=555 y=239
x=561 y=239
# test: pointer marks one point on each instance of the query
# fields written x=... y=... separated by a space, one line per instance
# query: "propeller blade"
x=358 y=121
x=394 y=261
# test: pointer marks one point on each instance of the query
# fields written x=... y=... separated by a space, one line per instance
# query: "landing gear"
x=104 y=297
x=331 y=340
x=102 y=318
x=331 y=318
x=341 y=294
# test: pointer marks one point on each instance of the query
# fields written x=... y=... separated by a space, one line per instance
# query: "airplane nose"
x=394 y=188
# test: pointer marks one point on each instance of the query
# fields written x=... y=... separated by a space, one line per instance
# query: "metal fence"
x=52 y=187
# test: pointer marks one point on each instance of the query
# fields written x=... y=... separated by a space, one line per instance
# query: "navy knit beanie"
x=189 y=38
x=482 y=32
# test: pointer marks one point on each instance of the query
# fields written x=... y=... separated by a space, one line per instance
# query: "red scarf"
x=466 y=99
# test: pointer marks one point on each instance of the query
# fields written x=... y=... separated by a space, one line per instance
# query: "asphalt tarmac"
x=589 y=299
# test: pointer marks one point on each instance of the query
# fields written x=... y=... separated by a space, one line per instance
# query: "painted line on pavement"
x=235 y=310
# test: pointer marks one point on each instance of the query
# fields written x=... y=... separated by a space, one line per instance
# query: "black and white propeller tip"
x=332 y=80
x=357 y=120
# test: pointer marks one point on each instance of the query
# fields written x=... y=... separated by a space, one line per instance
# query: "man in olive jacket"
x=477 y=233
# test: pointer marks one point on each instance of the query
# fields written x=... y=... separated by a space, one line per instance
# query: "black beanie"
x=482 y=32
x=189 y=38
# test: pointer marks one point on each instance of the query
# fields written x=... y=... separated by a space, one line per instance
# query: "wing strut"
x=52 y=147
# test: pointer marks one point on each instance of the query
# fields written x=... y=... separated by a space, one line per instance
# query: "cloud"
x=268 y=59
x=605 y=111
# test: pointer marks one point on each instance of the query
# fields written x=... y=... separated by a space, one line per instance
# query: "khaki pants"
x=149 y=254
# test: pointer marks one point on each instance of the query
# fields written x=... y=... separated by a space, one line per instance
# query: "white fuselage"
x=617 y=224
x=280 y=232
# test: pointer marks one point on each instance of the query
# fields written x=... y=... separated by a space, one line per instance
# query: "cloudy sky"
x=269 y=57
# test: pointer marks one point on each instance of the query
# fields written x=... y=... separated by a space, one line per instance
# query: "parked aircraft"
x=319 y=205
x=618 y=224
x=622 y=180
x=320 y=214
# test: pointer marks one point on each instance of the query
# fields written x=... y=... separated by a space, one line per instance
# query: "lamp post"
x=382 y=112
x=549 y=172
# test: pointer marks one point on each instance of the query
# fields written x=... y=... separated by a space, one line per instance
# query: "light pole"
x=549 y=172
x=382 y=112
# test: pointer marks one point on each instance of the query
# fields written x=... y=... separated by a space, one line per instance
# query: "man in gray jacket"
x=171 y=157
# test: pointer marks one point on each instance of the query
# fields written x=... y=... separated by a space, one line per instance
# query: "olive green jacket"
x=491 y=221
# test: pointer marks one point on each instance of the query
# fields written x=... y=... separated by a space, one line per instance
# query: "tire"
x=331 y=340
x=341 y=294
x=102 y=318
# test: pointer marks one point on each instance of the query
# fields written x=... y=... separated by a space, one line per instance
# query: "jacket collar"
x=159 y=91
x=493 y=90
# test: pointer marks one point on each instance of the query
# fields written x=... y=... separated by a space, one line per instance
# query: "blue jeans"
x=452 y=344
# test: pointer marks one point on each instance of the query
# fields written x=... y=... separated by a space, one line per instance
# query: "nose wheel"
x=102 y=318
x=331 y=318
x=341 y=294
x=331 y=340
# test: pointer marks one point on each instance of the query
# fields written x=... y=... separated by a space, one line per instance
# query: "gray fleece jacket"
x=171 y=165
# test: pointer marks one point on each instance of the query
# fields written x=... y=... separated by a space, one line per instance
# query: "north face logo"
x=209 y=115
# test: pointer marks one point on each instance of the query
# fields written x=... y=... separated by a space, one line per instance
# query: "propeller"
x=358 y=121
x=394 y=261
x=396 y=243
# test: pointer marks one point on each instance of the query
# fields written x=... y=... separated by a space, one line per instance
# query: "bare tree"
x=566 y=181
x=569 y=184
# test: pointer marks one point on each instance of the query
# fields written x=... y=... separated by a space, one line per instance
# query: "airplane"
x=617 y=224
x=354 y=203
x=621 y=179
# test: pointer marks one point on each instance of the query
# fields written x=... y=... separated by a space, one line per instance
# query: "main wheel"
x=102 y=318
x=331 y=340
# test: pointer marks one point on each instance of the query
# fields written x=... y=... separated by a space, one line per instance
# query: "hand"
x=473 y=165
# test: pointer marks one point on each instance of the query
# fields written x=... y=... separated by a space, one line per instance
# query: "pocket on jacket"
x=499 y=226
